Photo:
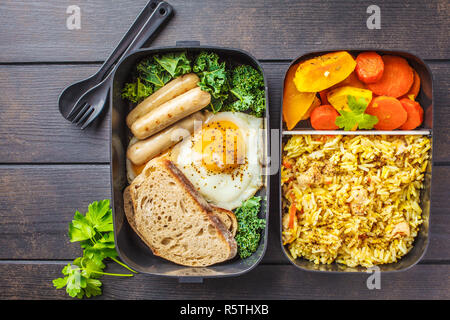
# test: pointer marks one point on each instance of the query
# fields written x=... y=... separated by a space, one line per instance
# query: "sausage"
x=169 y=91
x=145 y=150
x=170 y=112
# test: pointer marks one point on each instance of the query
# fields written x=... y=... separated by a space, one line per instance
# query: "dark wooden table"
x=49 y=168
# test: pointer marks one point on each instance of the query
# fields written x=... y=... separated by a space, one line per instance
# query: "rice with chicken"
x=353 y=200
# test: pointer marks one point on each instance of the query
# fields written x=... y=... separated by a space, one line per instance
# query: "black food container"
x=425 y=98
x=130 y=247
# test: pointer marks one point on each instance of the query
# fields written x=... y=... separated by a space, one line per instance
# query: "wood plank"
x=441 y=85
x=41 y=135
x=31 y=127
x=38 y=201
x=277 y=282
x=36 y=31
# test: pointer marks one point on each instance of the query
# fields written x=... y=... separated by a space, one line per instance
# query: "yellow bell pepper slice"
x=338 y=97
x=322 y=72
x=295 y=104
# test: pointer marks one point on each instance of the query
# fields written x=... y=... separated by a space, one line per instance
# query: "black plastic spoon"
x=73 y=93
x=91 y=103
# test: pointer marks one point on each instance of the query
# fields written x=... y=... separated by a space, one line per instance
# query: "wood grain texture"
x=441 y=85
x=31 y=127
x=37 y=203
x=42 y=135
x=36 y=30
x=278 y=282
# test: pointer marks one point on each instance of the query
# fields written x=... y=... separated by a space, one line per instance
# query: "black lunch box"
x=130 y=247
x=425 y=98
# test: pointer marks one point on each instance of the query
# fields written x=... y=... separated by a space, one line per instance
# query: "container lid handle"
x=190 y=280
x=188 y=43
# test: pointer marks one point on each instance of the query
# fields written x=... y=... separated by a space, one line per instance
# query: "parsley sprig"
x=95 y=232
x=356 y=118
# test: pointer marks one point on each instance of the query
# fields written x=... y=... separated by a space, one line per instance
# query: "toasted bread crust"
x=188 y=186
x=128 y=207
x=225 y=234
x=231 y=224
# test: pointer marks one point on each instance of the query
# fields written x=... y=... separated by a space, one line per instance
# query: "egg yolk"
x=222 y=146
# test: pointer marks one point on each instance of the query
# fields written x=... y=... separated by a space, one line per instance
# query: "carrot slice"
x=369 y=67
x=324 y=118
x=286 y=164
x=415 y=88
x=397 y=78
x=415 y=114
x=389 y=111
x=292 y=211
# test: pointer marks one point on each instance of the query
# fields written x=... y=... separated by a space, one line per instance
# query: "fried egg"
x=222 y=159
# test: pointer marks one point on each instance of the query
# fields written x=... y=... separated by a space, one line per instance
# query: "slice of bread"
x=228 y=219
x=174 y=220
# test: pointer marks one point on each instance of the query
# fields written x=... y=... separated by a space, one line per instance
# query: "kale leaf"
x=249 y=226
x=213 y=78
x=153 y=73
x=176 y=64
x=247 y=85
x=136 y=91
x=240 y=89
